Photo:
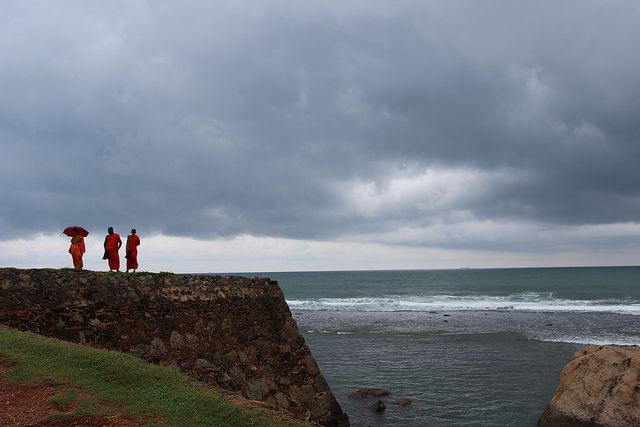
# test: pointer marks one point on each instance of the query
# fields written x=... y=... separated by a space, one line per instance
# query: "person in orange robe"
x=77 y=249
x=112 y=244
x=133 y=241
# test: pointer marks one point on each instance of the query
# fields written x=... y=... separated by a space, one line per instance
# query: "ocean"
x=469 y=347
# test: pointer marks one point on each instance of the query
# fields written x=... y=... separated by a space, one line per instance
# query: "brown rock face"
x=600 y=386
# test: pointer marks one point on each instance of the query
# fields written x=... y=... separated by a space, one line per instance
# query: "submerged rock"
x=600 y=386
x=402 y=401
x=379 y=406
x=364 y=392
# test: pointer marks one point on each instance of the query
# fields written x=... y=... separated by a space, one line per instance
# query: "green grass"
x=86 y=406
x=70 y=396
x=141 y=389
x=71 y=270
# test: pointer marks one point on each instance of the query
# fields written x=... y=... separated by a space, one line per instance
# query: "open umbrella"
x=81 y=231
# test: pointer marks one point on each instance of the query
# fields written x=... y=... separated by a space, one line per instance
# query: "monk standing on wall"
x=133 y=241
x=112 y=245
x=77 y=249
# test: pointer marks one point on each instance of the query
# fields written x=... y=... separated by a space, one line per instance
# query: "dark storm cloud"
x=216 y=119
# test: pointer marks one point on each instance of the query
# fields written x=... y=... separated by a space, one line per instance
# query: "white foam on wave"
x=527 y=301
x=583 y=340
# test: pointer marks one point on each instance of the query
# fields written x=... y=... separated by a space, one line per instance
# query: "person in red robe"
x=133 y=241
x=112 y=244
x=77 y=249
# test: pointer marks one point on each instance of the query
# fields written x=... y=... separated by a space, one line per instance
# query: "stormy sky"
x=277 y=135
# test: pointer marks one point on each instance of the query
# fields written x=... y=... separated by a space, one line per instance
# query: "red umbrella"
x=81 y=231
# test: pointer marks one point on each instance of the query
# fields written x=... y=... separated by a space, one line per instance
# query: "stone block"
x=237 y=376
x=175 y=341
x=281 y=400
x=139 y=350
x=271 y=402
x=321 y=384
x=217 y=358
x=202 y=363
x=230 y=357
x=158 y=347
x=192 y=341
x=263 y=348
x=324 y=405
x=222 y=377
x=252 y=389
x=311 y=365
x=252 y=370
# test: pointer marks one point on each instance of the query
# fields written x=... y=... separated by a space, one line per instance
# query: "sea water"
x=476 y=347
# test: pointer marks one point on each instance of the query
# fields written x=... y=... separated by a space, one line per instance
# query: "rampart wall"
x=233 y=332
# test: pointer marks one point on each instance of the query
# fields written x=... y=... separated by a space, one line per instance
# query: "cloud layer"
x=428 y=124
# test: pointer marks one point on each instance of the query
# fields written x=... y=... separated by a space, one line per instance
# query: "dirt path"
x=29 y=404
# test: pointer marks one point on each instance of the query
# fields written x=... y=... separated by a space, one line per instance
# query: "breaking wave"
x=526 y=302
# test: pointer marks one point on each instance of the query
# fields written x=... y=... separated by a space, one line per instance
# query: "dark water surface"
x=468 y=347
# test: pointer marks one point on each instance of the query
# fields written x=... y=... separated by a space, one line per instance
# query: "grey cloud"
x=219 y=119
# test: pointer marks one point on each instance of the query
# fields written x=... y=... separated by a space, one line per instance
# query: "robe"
x=133 y=241
x=76 y=250
x=112 y=250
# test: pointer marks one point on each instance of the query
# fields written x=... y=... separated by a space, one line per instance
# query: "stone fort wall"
x=233 y=332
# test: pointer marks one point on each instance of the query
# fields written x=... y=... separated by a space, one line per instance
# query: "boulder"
x=203 y=363
x=158 y=347
x=175 y=341
x=402 y=401
x=379 y=406
x=364 y=392
x=600 y=386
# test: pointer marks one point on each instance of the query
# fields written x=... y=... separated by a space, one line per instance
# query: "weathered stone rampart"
x=230 y=331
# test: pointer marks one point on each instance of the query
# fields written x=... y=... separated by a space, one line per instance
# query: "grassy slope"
x=142 y=388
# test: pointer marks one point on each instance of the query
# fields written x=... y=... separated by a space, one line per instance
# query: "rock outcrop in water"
x=402 y=401
x=600 y=386
x=364 y=392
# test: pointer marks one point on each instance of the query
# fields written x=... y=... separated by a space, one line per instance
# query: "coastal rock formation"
x=600 y=386
x=379 y=406
x=364 y=392
x=402 y=401
x=233 y=332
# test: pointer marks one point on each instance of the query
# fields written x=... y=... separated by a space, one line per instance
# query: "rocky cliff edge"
x=600 y=386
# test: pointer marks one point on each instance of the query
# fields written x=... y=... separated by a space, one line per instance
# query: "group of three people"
x=112 y=244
